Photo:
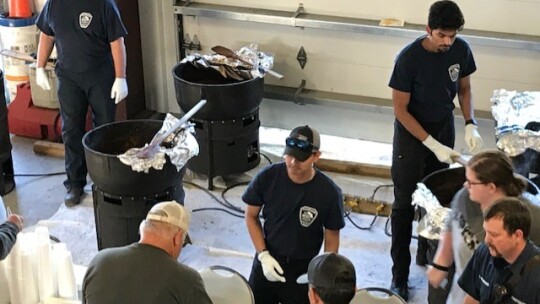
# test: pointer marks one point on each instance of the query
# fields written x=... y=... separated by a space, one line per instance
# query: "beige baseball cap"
x=170 y=212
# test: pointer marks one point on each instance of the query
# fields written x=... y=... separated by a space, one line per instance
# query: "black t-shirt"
x=83 y=31
x=295 y=214
x=431 y=78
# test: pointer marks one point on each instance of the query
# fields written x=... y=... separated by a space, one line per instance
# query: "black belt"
x=282 y=259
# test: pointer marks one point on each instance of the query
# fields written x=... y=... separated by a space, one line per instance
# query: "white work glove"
x=42 y=79
x=444 y=154
x=473 y=139
x=119 y=90
x=271 y=268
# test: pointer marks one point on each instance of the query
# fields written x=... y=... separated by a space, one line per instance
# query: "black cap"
x=304 y=133
x=330 y=270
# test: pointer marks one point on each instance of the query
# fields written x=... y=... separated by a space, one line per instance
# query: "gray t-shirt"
x=141 y=273
x=466 y=226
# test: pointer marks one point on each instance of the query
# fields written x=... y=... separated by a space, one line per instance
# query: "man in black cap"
x=302 y=208
x=331 y=278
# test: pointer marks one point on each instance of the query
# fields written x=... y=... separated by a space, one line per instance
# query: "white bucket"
x=19 y=35
x=40 y=97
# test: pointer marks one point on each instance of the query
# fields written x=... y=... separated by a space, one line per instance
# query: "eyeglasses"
x=300 y=144
x=474 y=183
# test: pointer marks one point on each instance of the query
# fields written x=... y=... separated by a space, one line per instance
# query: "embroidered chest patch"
x=85 y=19
x=453 y=71
x=307 y=215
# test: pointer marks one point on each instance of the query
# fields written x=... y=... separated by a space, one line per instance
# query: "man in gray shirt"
x=148 y=271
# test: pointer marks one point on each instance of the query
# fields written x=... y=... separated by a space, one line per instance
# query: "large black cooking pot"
x=445 y=183
x=102 y=146
x=227 y=98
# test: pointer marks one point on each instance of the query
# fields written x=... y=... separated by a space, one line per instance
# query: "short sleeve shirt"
x=431 y=78
x=83 y=31
x=141 y=273
x=295 y=215
x=484 y=272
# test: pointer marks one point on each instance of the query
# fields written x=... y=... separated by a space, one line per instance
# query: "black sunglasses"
x=299 y=144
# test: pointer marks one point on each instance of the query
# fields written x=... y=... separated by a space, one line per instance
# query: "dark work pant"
x=411 y=162
x=290 y=292
x=77 y=91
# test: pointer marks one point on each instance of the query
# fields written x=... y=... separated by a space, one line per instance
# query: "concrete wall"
x=343 y=62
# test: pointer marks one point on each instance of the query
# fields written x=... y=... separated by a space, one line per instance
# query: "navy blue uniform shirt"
x=295 y=214
x=431 y=78
x=83 y=31
x=484 y=272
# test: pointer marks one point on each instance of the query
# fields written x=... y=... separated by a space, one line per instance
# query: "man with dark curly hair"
x=428 y=74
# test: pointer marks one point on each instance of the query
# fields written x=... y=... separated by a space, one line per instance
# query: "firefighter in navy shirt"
x=301 y=209
x=91 y=71
x=427 y=76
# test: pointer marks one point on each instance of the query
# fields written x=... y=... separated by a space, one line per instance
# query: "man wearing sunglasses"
x=302 y=209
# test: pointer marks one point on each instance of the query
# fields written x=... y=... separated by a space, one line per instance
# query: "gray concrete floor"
x=218 y=238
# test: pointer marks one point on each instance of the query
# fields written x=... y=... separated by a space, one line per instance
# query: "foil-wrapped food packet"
x=433 y=222
x=236 y=69
x=517 y=114
x=180 y=146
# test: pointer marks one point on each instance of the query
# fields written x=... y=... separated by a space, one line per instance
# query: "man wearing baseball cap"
x=303 y=208
x=331 y=278
x=147 y=271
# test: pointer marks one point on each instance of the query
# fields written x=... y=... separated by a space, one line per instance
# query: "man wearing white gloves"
x=91 y=70
x=302 y=207
x=427 y=76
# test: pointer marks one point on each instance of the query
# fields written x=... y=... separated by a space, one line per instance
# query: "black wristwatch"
x=470 y=121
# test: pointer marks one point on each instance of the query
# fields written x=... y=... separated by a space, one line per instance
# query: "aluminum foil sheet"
x=235 y=69
x=433 y=222
x=179 y=146
x=515 y=112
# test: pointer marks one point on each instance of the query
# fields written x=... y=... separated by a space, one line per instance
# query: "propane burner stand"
x=226 y=147
x=227 y=127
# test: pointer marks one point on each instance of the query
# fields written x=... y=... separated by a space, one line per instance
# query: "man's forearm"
x=465 y=104
x=255 y=233
x=118 y=51
x=331 y=240
x=465 y=98
x=400 y=102
x=45 y=46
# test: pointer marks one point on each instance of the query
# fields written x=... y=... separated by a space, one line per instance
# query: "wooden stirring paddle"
x=221 y=50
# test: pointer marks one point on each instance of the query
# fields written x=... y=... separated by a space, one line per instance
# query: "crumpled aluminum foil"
x=179 y=146
x=513 y=111
x=433 y=223
x=235 y=69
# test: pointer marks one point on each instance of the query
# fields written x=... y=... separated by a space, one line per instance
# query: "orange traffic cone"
x=20 y=9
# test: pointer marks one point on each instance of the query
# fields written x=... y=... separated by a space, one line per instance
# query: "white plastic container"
x=19 y=35
x=40 y=97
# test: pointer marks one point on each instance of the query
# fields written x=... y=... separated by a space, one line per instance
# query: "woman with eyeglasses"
x=489 y=176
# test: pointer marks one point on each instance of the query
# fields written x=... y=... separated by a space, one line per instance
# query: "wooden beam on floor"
x=48 y=148
x=348 y=167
